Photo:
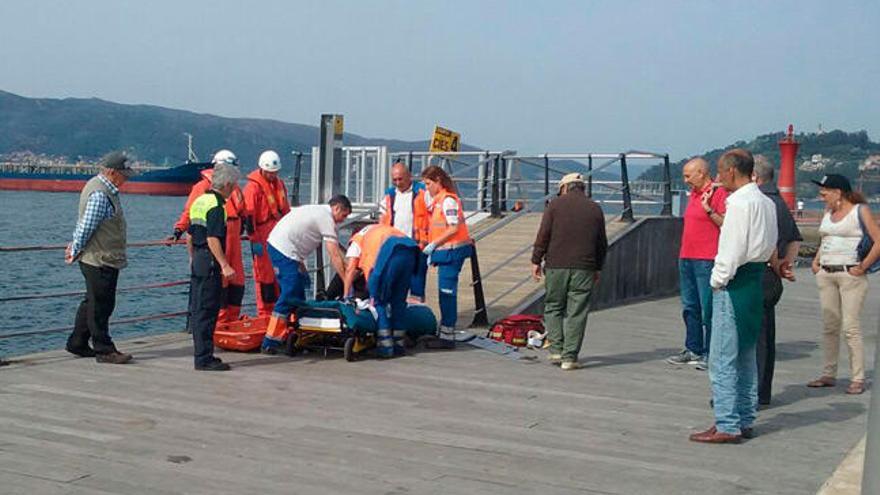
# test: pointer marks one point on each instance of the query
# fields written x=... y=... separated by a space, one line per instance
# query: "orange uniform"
x=266 y=202
x=235 y=208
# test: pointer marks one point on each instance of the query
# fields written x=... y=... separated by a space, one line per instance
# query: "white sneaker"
x=555 y=358
x=570 y=365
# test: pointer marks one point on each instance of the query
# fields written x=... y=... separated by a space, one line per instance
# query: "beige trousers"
x=842 y=297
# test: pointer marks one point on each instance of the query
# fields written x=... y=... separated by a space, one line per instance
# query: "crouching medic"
x=389 y=260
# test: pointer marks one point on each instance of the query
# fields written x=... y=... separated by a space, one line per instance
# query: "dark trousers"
x=93 y=315
x=766 y=345
x=206 y=288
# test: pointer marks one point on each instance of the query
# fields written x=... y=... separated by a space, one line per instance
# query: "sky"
x=679 y=77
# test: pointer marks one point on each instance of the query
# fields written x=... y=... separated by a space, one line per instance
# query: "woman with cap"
x=449 y=242
x=841 y=276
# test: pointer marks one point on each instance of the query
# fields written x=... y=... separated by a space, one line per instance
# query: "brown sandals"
x=822 y=381
x=856 y=387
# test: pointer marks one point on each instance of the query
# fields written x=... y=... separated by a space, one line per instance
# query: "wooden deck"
x=463 y=421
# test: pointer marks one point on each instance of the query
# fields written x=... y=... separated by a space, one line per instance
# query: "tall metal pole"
x=627 y=215
x=546 y=175
x=667 y=188
x=870 y=471
x=297 y=178
x=495 y=207
x=590 y=178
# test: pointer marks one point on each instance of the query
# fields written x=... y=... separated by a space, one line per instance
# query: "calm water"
x=39 y=218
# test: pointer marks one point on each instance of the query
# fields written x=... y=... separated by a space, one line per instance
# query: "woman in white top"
x=841 y=278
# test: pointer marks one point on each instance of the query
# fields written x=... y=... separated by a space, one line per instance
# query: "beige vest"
x=107 y=245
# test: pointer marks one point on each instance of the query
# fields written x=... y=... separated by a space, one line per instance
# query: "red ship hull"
x=131 y=187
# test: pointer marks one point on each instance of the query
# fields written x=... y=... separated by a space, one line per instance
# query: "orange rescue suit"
x=266 y=202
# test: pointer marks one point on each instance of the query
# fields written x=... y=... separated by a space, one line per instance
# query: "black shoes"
x=114 y=357
x=85 y=352
x=214 y=365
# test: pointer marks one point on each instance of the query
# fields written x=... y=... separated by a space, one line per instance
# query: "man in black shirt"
x=207 y=237
x=787 y=246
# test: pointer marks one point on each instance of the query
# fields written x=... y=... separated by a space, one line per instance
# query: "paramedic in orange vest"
x=404 y=208
x=388 y=260
x=265 y=199
x=449 y=242
x=233 y=289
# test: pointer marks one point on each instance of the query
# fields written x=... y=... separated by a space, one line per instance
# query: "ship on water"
x=28 y=172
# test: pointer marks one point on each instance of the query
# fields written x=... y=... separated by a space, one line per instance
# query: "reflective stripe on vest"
x=198 y=212
x=438 y=224
x=370 y=240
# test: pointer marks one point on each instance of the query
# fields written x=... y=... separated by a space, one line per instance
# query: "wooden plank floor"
x=503 y=250
x=462 y=421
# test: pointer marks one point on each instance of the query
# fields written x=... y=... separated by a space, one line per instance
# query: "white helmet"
x=226 y=157
x=270 y=161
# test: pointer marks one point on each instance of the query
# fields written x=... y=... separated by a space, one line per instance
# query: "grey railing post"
x=546 y=175
x=590 y=178
x=505 y=182
x=409 y=161
x=495 y=208
x=627 y=214
x=297 y=178
x=481 y=316
x=870 y=473
x=667 y=188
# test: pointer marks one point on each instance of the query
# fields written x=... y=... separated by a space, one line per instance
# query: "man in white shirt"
x=404 y=208
x=296 y=236
x=747 y=242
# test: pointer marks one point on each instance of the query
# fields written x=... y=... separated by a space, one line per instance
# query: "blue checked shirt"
x=98 y=209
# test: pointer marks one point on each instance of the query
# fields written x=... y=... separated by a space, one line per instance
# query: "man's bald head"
x=400 y=176
x=696 y=173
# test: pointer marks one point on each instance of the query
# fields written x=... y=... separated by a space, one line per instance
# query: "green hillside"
x=87 y=128
x=842 y=153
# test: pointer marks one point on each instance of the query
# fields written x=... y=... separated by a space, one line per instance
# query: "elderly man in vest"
x=99 y=247
x=233 y=289
x=388 y=260
x=747 y=242
x=265 y=199
x=209 y=264
x=404 y=208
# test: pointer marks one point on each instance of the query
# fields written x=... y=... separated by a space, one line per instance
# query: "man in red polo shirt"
x=699 y=245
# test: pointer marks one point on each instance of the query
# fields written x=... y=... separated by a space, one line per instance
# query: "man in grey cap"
x=99 y=247
x=571 y=243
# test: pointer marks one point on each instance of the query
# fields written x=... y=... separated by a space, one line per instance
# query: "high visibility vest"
x=438 y=225
x=198 y=211
x=370 y=240
x=419 y=209
x=274 y=196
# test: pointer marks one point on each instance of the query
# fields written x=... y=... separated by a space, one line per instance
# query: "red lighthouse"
x=788 y=149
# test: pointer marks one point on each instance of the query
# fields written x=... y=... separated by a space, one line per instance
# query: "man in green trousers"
x=571 y=243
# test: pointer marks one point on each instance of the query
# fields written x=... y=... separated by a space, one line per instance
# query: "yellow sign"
x=337 y=125
x=444 y=140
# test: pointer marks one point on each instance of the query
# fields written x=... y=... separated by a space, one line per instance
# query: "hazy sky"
x=534 y=76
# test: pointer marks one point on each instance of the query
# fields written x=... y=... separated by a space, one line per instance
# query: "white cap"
x=270 y=161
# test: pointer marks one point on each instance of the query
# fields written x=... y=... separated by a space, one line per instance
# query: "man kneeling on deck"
x=206 y=241
x=388 y=259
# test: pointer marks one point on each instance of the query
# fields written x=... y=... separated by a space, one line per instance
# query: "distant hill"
x=842 y=153
x=87 y=128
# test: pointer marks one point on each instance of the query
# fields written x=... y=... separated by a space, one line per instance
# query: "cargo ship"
x=156 y=181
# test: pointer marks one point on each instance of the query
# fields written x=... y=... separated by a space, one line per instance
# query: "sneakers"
x=684 y=357
x=555 y=358
x=114 y=357
x=214 y=365
x=570 y=365
x=702 y=364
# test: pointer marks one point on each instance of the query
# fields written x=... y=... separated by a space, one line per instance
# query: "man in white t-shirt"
x=404 y=208
x=296 y=236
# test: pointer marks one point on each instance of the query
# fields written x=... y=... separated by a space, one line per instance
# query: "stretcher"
x=332 y=325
